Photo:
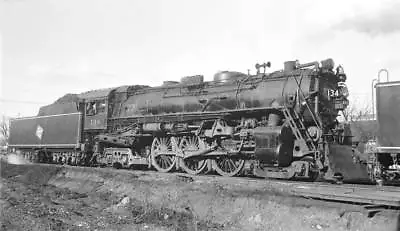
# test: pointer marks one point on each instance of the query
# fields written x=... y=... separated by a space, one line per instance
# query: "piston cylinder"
x=274 y=145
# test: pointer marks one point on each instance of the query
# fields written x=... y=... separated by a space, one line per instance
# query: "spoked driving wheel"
x=227 y=166
x=162 y=154
x=188 y=146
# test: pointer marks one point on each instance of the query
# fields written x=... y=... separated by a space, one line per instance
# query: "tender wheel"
x=192 y=165
x=163 y=158
x=226 y=166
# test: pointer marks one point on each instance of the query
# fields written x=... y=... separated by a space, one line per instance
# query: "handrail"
x=308 y=106
x=372 y=97
x=379 y=75
x=373 y=84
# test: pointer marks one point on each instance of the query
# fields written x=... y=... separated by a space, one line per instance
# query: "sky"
x=52 y=47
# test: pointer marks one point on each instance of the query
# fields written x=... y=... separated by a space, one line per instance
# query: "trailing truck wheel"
x=189 y=145
x=226 y=166
x=162 y=154
x=313 y=175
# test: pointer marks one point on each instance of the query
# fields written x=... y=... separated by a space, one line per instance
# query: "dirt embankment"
x=52 y=197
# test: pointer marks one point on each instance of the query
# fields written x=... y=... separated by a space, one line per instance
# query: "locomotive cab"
x=95 y=112
x=95 y=107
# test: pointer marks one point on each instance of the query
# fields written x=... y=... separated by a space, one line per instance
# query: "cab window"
x=93 y=108
x=101 y=106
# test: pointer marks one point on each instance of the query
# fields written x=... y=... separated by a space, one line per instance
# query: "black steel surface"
x=45 y=131
x=388 y=113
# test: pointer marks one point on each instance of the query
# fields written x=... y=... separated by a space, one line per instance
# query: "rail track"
x=370 y=197
x=208 y=195
x=349 y=193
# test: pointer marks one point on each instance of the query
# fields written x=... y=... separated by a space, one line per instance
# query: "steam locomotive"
x=277 y=125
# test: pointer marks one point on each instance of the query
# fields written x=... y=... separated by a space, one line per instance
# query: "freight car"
x=384 y=152
x=277 y=125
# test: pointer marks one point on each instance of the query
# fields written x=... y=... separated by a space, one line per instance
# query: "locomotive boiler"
x=280 y=124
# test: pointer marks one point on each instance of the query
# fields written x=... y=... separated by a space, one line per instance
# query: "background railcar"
x=384 y=152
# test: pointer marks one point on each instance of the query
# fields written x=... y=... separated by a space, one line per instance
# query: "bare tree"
x=363 y=126
x=356 y=113
x=4 y=130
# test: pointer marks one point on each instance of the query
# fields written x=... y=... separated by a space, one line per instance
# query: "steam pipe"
x=316 y=103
